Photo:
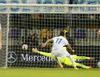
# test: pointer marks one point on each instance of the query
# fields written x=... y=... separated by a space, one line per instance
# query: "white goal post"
x=33 y=24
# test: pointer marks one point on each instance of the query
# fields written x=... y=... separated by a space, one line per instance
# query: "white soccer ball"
x=98 y=64
x=24 y=46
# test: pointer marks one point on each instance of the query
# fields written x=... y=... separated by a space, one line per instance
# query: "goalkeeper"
x=68 y=37
x=67 y=60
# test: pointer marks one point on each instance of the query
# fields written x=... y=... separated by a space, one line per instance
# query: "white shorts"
x=60 y=53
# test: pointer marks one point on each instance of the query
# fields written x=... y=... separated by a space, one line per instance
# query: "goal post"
x=33 y=24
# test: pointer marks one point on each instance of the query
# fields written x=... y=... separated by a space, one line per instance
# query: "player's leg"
x=56 y=54
x=69 y=63
x=84 y=57
x=83 y=66
x=59 y=63
x=71 y=58
x=73 y=62
x=64 y=54
x=75 y=57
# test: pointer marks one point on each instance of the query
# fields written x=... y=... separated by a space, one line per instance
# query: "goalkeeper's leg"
x=68 y=62
x=82 y=65
x=84 y=57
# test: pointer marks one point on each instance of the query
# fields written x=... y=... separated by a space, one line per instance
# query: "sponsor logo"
x=35 y=58
x=12 y=57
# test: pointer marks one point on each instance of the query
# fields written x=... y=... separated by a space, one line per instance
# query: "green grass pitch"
x=36 y=72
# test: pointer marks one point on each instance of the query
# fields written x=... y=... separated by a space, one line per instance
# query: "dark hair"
x=62 y=33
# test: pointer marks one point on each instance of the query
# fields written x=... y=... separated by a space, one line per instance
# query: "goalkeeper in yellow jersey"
x=67 y=60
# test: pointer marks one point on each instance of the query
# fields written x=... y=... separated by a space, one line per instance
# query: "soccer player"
x=68 y=37
x=0 y=37
x=66 y=60
x=58 y=51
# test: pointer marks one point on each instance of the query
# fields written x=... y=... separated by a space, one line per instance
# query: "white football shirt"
x=59 y=42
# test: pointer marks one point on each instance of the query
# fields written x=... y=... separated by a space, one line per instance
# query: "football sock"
x=72 y=60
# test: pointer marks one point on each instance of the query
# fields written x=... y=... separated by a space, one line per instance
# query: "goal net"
x=34 y=24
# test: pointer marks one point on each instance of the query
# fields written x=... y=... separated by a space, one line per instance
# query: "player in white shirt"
x=58 y=51
x=0 y=37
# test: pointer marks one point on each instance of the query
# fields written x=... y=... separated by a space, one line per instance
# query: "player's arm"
x=70 y=48
x=47 y=42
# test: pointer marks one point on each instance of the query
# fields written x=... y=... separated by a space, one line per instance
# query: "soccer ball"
x=98 y=64
x=24 y=46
